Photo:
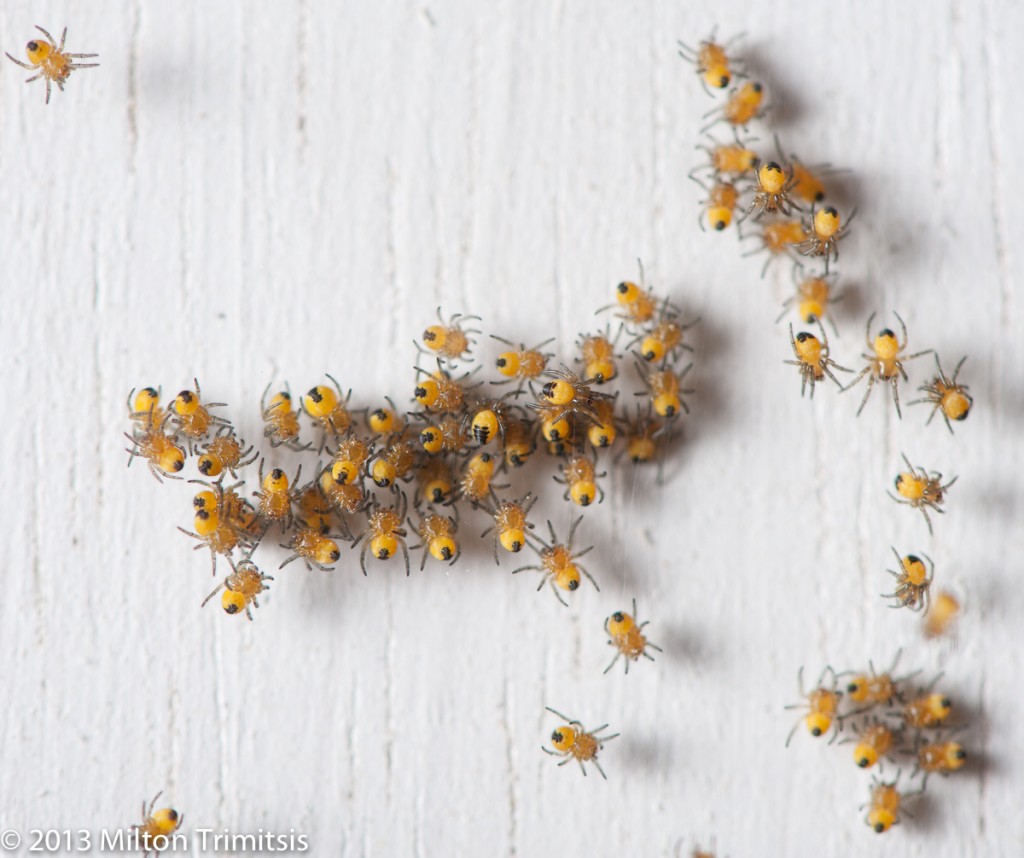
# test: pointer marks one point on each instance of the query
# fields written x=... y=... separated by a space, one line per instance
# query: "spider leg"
x=828 y=372
x=214 y=593
x=49 y=38
x=20 y=63
x=558 y=595
x=617 y=655
x=896 y=395
x=903 y=329
x=867 y=393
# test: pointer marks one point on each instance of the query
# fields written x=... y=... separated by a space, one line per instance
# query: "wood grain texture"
x=245 y=193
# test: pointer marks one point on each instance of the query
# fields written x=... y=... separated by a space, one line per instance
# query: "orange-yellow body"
x=555 y=423
x=930 y=710
x=313 y=547
x=942 y=757
x=394 y=463
x=580 y=477
x=813 y=359
x=662 y=341
x=519 y=443
x=238 y=513
x=159 y=450
x=636 y=305
x=884 y=810
x=435 y=481
x=642 y=440
x=558 y=564
x=348 y=465
x=822 y=704
x=328 y=409
x=743 y=104
x=157 y=826
x=871 y=689
x=522 y=363
x=713 y=65
x=448 y=339
x=276 y=497
x=885 y=361
x=779 y=236
x=475 y=484
x=567 y=394
x=603 y=433
x=192 y=418
x=574 y=742
x=812 y=299
x=627 y=636
x=733 y=159
x=315 y=510
x=912 y=582
x=825 y=229
x=50 y=61
x=144 y=409
x=447 y=435
x=921 y=490
x=946 y=396
x=720 y=205
x=440 y=393
x=344 y=497
x=874 y=742
x=448 y=342
x=225 y=452
x=384 y=533
x=771 y=190
x=598 y=356
x=510 y=524
x=806 y=184
x=437 y=535
x=241 y=589
x=281 y=421
x=665 y=389
x=944 y=610
x=385 y=421
x=216 y=532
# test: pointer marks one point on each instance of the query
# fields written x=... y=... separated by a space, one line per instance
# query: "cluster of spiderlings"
x=392 y=476
x=889 y=718
x=779 y=195
x=781 y=198
x=790 y=207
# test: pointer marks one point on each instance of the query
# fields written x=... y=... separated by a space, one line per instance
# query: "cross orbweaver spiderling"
x=885 y=362
x=921 y=490
x=574 y=742
x=50 y=62
x=812 y=357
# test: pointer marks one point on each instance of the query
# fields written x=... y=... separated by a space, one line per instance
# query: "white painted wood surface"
x=246 y=192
